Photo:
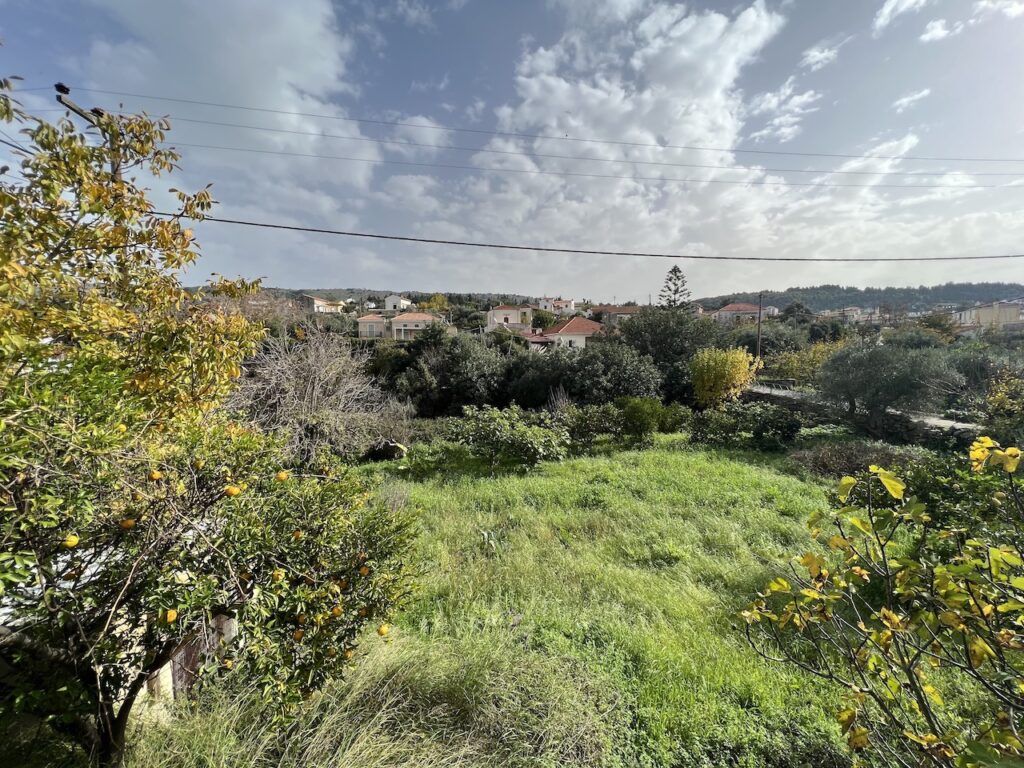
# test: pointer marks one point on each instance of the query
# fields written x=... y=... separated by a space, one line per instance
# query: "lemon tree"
x=137 y=519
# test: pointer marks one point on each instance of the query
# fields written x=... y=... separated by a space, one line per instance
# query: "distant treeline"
x=822 y=297
x=368 y=294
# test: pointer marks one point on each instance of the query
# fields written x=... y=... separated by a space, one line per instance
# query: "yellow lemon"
x=128 y=523
x=281 y=476
x=383 y=630
x=232 y=490
x=156 y=474
x=336 y=611
x=171 y=615
x=298 y=634
x=364 y=571
x=277 y=575
x=71 y=541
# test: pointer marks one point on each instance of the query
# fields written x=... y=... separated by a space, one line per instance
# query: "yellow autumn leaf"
x=858 y=738
x=812 y=563
x=892 y=484
x=979 y=651
x=846 y=719
x=844 y=487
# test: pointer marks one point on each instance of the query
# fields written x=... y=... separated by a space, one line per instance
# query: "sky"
x=627 y=125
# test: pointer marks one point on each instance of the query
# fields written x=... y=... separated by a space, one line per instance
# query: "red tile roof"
x=368 y=318
x=577 y=326
x=537 y=338
x=739 y=308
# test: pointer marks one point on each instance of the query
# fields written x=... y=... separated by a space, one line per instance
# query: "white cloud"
x=425 y=86
x=1009 y=8
x=821 y=55
x=938 y=30
x=893 y=8
x=414 y=13
x=475 y=110
x=787 y=109
x=906 y=102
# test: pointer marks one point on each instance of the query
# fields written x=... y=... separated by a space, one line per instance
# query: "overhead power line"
x=583 y=251
x=486 y=132
x=626 y=160
x=580 y=174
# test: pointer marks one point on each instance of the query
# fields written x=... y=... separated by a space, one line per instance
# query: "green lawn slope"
x=583 y=615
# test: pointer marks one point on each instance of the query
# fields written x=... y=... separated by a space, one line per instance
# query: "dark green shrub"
x=763 y=425
x=505 y=438
x=772 y=426
x=441 y=457
x=640 y=417
x=586 y=424
x=674 y=418
x=714 y=426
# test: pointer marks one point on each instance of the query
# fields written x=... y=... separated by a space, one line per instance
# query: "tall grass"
x=583 y=615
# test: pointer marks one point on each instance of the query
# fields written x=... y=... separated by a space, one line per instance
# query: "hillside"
x=370 y=294
x=584 y=615
x=822 y=297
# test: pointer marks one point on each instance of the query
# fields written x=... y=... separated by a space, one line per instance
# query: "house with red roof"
x=573 y=332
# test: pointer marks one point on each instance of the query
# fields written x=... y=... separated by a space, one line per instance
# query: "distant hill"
x=822 y=297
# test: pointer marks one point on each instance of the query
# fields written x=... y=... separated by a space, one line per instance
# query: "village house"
x=847 y=315
x=396 y=303
x=613 y=314
x=998 y=314
x=515 y=318
x=403 y=327
x=316 y=304
x=737 y=314
x=372 y=326
x=573 y=332
x=558 y=306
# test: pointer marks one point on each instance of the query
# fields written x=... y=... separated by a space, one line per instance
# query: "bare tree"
x=315 y=393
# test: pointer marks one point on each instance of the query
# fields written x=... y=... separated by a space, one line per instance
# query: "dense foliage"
x=137 y=521
x=720 y=375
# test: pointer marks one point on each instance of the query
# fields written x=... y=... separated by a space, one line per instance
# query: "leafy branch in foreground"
x=922 y=623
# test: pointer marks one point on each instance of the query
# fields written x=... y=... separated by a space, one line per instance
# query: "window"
x=572 y=343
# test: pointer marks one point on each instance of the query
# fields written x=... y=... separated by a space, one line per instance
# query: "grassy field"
x=582 y=615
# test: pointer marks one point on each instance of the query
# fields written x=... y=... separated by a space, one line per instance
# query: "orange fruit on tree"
x=364 y=571
x=349 y=653
x=298 y=634
x=171 y=615
x=297 y=535
x=156 y=474
x=336 y=611
x=232 y=490
x=128 y=523
x=281 y=476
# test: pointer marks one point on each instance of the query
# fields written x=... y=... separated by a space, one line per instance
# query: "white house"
x=573 y=332
x=396 y=303
x=515 y=318
x=558 y=306
x=316 y=304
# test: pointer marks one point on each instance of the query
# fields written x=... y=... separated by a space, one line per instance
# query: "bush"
x=721 y=375
x=772 y=426
x=641 y=417
x=1004 y=406
x=675 y=417
x=505 y=438
x=836 y=459
x=442 y=457
x=586 y=424
x=801 y=365
x=765 y=426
